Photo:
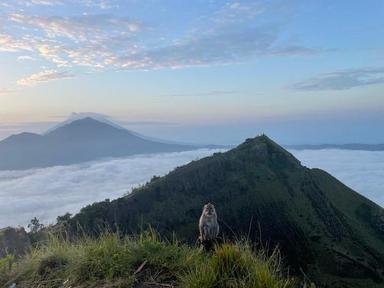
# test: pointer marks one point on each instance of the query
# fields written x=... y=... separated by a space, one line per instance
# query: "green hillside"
x=325 y=231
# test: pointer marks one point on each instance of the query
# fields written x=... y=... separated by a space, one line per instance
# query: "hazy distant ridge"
x=352 y=146
x=79 y=141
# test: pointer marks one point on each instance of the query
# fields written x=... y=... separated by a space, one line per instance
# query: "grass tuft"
x=238 y=266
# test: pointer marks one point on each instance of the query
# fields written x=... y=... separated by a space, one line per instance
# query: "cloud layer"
x=363 y=171
x=47 y=193
x=50 y=192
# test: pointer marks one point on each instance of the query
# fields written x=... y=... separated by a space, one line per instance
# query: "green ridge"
x=324 y=229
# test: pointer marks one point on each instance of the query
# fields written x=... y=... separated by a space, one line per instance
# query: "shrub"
x=50 y=263
x=6 y=265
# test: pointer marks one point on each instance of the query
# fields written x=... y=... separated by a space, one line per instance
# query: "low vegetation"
x=142 y=261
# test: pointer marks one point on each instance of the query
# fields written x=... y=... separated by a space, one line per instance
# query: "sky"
x=197 y=71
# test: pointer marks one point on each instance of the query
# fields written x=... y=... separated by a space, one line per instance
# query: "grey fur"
x=208 y=226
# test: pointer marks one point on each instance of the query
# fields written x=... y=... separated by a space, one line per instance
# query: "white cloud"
x=102 y=4
x=203 y=94
x=10 y=44
x=44 y=2
x=84 y=28
x=44 y=76
x=91 y=40
x=363 y=171
x=25 y=58
x=218 y=47
x=53 y=52
x=343 y=79
x=239 y=12
x=6 y=91
x=235 y=32
x=49 y=192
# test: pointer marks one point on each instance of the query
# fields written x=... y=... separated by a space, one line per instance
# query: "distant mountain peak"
x=79 y=140
x=86 y=115
x=92 y=121
x=90 y=129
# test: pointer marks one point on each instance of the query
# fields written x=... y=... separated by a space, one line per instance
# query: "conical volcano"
x=78 y=141
x=325 y=231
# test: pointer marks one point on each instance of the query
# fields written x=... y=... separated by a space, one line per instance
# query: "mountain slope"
x=81 y=140
x=323 y=228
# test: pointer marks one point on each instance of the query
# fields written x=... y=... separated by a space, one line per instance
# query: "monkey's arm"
x=201 y=226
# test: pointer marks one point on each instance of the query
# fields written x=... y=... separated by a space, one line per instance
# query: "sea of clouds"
x=363 y=171
x=49 y=192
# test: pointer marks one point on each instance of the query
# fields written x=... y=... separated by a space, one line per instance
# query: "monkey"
x=208 y=226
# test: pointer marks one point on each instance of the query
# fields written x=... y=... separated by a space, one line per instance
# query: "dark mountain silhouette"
x=352 y=146
x=81 y=140
x=325 y=230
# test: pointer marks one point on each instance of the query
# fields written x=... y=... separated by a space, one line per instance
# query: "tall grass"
x=116 y=261
x=238 y=266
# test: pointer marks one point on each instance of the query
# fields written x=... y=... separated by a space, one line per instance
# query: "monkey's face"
x=209 y=210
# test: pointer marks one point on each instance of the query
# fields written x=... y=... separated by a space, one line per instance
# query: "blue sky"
x=197 y=71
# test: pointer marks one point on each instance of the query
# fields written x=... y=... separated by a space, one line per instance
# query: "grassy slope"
x=142 y=261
